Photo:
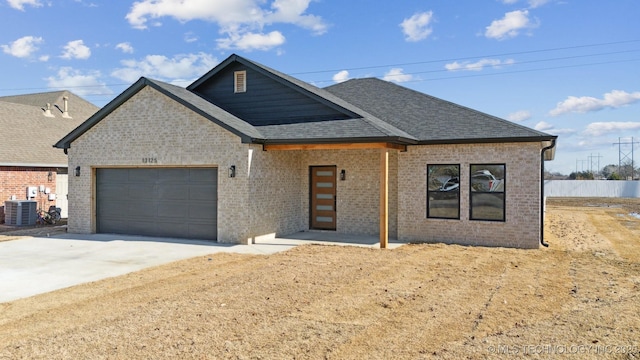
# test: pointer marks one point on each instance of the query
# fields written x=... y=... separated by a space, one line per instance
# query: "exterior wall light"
x=232 y=171
x=49 y=176
x=77 y=171
x=343 y=175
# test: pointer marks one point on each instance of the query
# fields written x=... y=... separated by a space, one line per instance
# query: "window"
x=487 y=192
x=443 y=191
x=240 y=81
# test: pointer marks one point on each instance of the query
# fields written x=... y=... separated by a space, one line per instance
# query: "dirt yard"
x=579 y=298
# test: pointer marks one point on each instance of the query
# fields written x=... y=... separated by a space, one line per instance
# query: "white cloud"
x=551 y=129
x=252 y=41
x=509 y=26
x=601 y=128
x=478 y=65
x=190 y=37
x=81 y=83
x=341 y=76
x=23 y=47
x=184 y=66
x=417 y=27
x=19 y=4
x=519 y=116
x=125 y=47
x=584 y=104
x=543 y=126
x=537 y=3
x=239 y=20
x=76 y=50
x=532 y=3
x=396 y=75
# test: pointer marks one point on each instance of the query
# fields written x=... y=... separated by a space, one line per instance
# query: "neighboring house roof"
x=368 y=109
x=28 y=130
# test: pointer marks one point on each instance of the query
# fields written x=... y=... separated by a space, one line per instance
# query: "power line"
x=467 y=57
x=426 y=62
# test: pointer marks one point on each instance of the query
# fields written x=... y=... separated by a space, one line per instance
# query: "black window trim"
x=504 y=192
x=430 y=191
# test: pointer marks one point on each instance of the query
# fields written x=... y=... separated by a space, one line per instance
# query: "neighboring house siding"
x=150 y=125
x=522 y=226
x=13 y=180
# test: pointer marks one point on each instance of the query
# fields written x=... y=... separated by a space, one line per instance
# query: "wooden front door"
x=323 y=197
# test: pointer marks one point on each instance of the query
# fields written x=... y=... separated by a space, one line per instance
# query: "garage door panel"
x=145 y=176
x=169 y=202
x=203 y=193
x=112 y=207
x=113 y=175
x=200 y=231
x=172 y=229
x=200 y=212
x=173 y=176
x=140 y=191
x=203 y=175
x=169 y=210
x=172 y=191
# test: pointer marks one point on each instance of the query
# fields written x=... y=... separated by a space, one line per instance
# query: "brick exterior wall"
x=150 y=125
x=14 y=181
x=270 y=194
x=522 y=226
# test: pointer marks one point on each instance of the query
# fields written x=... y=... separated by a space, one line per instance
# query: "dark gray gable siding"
x=266 y=102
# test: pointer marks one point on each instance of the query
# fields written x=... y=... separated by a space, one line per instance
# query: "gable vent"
x=240 y=81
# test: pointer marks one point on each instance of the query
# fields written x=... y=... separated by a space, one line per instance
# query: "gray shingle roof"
x=427 y=118
x=381 y=111
x=28 y=135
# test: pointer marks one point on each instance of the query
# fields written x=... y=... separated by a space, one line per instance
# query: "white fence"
x=592 y=188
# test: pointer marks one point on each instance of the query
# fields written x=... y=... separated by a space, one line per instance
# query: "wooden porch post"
x=384 y=198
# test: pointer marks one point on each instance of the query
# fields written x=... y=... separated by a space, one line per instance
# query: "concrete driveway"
x=36 y=265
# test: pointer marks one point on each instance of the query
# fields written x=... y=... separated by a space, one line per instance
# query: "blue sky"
x=566 y=67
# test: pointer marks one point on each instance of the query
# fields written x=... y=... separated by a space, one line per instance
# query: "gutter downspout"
x=544 y=150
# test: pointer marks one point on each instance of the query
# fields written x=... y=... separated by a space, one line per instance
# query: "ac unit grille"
x=20 y=212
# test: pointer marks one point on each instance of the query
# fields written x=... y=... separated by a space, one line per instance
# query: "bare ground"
x=579 y=298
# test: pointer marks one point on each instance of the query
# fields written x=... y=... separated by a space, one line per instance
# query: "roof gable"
x=237 y=126
x=271 y=98
x=427 y=118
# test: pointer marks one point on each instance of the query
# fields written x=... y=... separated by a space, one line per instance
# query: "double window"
x=486 y=191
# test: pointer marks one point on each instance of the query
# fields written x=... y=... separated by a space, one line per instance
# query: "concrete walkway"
x=37 y=265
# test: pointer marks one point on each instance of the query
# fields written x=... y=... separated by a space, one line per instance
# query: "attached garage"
x=167 y=202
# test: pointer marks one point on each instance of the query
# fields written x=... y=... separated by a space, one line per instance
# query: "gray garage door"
x=166 y=202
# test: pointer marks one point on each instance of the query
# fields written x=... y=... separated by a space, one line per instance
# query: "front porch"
x=319 y=237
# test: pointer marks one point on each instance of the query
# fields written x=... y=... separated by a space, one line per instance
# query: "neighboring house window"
x=240 y=81
x=443 y=191
x=487 y=192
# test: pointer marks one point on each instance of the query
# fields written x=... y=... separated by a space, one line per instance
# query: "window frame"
x=429 y=192
x=473 y=168
x=239 y=86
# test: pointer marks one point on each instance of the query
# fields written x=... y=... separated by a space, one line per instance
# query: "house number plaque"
x=149 y=160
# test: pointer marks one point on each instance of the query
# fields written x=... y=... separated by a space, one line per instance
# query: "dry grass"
x=581 y=295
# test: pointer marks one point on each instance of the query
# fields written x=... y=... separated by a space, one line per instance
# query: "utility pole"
x=591 y=162
x=626 y=154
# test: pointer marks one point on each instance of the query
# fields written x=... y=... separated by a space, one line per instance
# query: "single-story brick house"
x=247 y=152
x=29 y=124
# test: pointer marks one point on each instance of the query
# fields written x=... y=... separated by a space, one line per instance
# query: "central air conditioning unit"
x=20 y=212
